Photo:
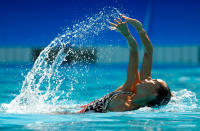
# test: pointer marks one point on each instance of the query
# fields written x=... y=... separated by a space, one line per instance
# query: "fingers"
x=123 y=16
x=112 y=28
x=120 y=20
x=113 y=24
x=117 y=22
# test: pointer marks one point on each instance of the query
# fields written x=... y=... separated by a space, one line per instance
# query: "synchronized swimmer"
x=140 y=89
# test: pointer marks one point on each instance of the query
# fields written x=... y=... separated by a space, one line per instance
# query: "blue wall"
x=37 y=22
x=175 y=22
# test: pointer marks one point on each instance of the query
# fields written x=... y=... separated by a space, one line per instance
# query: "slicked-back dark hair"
x=163 y=97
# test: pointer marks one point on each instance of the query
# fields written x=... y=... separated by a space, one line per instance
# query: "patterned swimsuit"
x=101 y=105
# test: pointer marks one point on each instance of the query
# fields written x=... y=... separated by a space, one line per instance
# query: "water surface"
x=182 y=113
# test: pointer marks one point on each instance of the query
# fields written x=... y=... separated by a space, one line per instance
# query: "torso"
x=112 y=102
x=117 y=101
x=122 y=102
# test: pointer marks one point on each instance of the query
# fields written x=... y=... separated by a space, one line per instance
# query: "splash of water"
x=182 y=101
x=41 y=92
x=40 y=89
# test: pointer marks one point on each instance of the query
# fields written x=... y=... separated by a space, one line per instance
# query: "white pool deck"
x=186 y=55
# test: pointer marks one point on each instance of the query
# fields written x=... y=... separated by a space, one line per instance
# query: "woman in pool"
x=140 y=89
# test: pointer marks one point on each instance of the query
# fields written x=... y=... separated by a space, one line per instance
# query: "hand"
x=135 y=23
x=121 y=27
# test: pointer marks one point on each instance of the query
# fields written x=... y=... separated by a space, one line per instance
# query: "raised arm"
x=132 y=74
x=146 y=68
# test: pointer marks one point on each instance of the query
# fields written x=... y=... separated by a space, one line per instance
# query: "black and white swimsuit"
x=101 y=105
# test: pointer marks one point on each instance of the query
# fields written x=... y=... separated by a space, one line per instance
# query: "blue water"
x=31 y=95
x=182 y=113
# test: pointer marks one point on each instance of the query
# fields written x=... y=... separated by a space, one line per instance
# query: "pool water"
x=182 y=113
x=31 y=96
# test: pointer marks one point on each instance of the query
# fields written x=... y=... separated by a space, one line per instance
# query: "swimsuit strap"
x=110 y=97
x=100 y=105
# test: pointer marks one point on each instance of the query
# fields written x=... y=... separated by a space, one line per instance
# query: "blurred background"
x=27 y=26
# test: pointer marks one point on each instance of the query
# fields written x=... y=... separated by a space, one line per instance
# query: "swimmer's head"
x=153 y=92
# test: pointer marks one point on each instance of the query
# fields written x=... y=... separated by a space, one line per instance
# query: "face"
x=146 y=91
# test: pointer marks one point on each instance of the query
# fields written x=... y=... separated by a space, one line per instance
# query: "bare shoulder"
x=128 y=87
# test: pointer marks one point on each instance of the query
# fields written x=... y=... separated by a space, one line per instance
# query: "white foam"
x=182 y=101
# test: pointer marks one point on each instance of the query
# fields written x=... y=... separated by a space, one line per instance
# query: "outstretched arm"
x=133 y=74
x=146 y=68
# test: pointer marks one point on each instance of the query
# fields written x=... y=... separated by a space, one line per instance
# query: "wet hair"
x=163 y=96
